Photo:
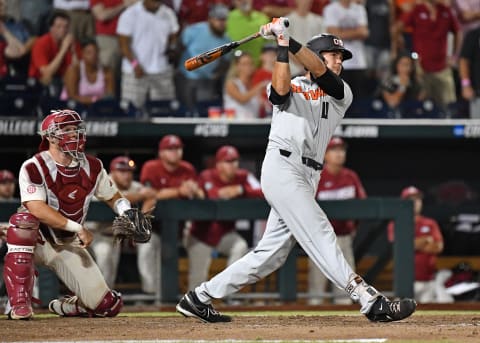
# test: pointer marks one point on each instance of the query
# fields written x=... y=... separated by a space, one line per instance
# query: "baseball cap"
x=410 y=191
x=170 y=142
x=122 y=163
x=227 y=153
x=336 y=141
x=219 y=11
x=6 y=176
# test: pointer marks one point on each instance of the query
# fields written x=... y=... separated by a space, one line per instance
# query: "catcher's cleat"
x=384 y=310
x=24 y=312
x=68 y=307
x=190 y=306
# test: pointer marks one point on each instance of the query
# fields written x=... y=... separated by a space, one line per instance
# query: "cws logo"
x=357 y=131
x=211 y=130
x=467 y=131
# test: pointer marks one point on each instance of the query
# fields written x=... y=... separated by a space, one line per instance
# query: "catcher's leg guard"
x=19 y=271
x=71 y=306
x=110 y=305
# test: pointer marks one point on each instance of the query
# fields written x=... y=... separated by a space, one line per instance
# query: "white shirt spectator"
x=68 y=5
x=149 y=33
x=335 y=15
x=302 y=28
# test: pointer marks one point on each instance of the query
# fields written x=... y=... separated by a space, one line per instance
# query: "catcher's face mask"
x=67 y=127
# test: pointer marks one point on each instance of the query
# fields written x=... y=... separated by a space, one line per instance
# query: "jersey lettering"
x=311 y=94
x=325 y=106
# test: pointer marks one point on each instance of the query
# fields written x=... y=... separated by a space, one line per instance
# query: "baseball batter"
x=306 y=111
x=56 y=187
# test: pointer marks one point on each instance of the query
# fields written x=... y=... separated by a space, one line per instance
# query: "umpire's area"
x=448 y=325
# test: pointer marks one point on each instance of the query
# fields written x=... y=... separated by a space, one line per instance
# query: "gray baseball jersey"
x=301 y=128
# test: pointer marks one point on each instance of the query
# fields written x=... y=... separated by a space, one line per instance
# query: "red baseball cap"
x=6 y=175
x=410 y=191
x=227 y=153
x=336 y=141
x=122 y=163
x=170 y=142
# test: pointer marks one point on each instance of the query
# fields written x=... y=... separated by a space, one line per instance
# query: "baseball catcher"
x=133 y=224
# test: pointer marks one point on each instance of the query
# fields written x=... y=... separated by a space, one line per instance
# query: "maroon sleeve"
x=359 y=189
x=391 y=231
x=209 y=184
x=147 y=174
x=407 y=18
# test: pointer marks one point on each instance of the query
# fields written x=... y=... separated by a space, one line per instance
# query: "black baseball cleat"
x=384 y=310
x=190 y=306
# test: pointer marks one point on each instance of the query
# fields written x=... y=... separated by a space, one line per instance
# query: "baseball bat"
x=211 y=55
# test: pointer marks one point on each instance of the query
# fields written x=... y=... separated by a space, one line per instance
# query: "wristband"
x=282 y=54
x=73 y=226
x=121 y=205
x=134 y=63
x=466 y=82
x=294 y=46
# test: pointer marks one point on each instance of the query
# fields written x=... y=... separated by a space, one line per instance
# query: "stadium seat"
x=24 y=105
x=370 y=108
x=111 y=108
x=420 y=109
x=164 y=108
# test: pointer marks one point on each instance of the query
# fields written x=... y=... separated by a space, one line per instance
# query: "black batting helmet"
x=327 y=42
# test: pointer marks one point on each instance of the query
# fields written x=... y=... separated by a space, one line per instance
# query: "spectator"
x=82 y=24
x=469 y=68
x=403 y=85
x=242 y=21
x=146 y=30
x=87 y=81
x=106 y=14
x=429 y=38
x=36 y=14
x=224 y=181
x=275 y=8
x=264 y=73
x=303 y=25
x=242 y=99
x=318 y=6
x=378 y=45
x=196 y=11
x=53 y=52
x=105 y=249
x=204 y=84
x=7 y=185
x=348 y=20
x=337 y=183
x=468 y=14
x=428 y=244
x=16 y=42
x=172 y=178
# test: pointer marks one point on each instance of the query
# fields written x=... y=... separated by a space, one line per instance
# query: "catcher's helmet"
x=326 y=42
x=52 y=126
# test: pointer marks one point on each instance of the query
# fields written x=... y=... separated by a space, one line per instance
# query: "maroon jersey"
x=425 y=263
x=68 y=190
x=155 y=175
x=429 y=35
x=212 y=232
x=344 y=185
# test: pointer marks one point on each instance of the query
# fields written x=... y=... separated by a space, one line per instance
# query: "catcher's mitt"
x=133 y=224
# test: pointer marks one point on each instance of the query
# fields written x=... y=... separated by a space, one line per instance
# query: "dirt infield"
x=464 y=328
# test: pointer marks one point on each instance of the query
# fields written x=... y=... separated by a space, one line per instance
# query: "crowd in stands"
x=411 y=58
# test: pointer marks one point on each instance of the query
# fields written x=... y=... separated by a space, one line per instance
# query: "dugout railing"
x=172 y=212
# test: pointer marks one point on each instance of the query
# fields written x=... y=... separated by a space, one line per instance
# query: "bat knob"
x=286 y=22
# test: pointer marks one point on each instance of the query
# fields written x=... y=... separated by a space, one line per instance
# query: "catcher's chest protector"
x=70 y=190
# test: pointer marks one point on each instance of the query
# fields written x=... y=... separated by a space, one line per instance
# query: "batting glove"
x=280 y=30
x=266 y=31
